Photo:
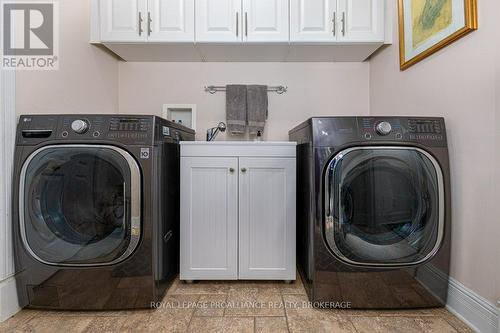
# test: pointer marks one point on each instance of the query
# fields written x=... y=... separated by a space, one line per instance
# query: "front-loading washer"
x=373 y=211
x=96 y=210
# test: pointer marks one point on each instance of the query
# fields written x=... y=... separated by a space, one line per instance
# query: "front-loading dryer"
x=373 y=211
x=96 y=216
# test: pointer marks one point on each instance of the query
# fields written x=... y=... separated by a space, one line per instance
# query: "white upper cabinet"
x=147 y=20
x=240 y=30
x=218 y=21
x=123 y=20
x=312 y=20
x=361 y=20
x=171 y=20
x=337 y=21
x=266 y=20
x=227 y=21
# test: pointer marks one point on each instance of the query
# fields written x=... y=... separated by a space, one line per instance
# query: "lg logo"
x=29 y=38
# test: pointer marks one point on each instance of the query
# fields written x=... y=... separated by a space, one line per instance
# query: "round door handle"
x=231 y=170
x=243 y=170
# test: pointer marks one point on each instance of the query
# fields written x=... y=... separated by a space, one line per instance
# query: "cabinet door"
x=361 y=20
x=218 y=21
x=313 y=20
x=209 y=218
x=171 y=20
x=267 y=218
x=123 y=20
x=266 y=20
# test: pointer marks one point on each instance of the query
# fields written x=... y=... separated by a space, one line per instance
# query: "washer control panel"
x=380 y=128
x=425 y=130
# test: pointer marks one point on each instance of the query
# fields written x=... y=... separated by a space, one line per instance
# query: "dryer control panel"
x=130 y=130
x=125 y=129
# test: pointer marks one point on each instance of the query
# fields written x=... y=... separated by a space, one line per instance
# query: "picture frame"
x=427 y=26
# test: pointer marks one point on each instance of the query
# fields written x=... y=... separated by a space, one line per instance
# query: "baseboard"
x=481 y=315
x=9 y=304
x=477 y=312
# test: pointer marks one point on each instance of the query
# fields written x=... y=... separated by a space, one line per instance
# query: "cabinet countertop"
x=239 y=143
x=238 y=149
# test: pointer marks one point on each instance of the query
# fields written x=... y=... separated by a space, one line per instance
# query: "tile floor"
x=204 y=307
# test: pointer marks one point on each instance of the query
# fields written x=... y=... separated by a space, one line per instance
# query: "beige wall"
x=314 y=89
x=87 y=79
x=460 y=84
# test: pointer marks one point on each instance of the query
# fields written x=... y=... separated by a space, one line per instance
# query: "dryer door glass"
x=384 y=206
x=80 y=205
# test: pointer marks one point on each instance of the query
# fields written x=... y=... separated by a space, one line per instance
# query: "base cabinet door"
x=209 y=215
x=123 y=20
x=267 y=218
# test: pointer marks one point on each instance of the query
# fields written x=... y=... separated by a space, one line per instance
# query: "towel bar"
x=277 y=89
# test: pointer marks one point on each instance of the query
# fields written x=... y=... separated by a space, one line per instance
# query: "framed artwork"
x=426 y=26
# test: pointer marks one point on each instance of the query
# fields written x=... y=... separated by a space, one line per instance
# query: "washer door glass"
x=384 y=206
x=79 y=205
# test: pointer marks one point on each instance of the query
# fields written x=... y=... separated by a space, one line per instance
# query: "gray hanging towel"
x=236 y=108
x=257 y=105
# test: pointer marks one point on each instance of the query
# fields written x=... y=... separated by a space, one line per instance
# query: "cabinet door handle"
x=243 y=170
x=343 y=23
x=334 y=23
x=149 y=24
x=246 y=24
x=231 y=170
x=237 y=24
x=140 y=23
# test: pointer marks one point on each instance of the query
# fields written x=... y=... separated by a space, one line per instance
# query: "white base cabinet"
x=238 y=211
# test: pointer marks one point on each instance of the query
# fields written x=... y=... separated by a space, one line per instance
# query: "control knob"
x=80 y=126
x=384 y=128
